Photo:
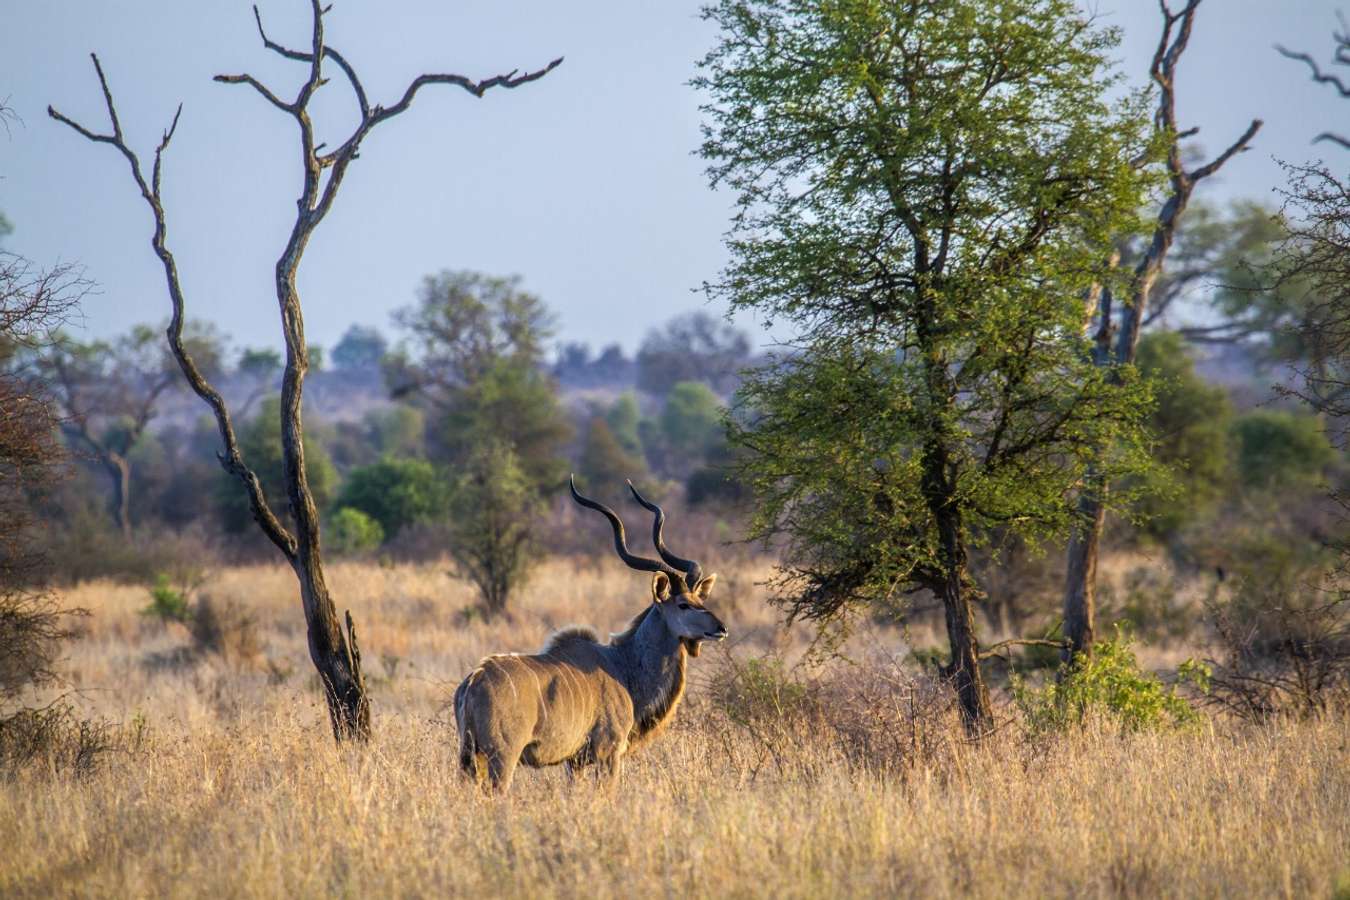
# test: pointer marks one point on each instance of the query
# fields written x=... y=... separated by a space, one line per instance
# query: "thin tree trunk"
x=337 y=657
x=338 y=662
x=1080 y=589
x=119 y=475
x=1081 y=565
x=964 y=667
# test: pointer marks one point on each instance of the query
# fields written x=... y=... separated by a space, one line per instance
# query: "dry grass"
x=230 y=786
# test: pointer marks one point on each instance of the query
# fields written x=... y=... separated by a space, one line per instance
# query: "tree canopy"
x=926 y=193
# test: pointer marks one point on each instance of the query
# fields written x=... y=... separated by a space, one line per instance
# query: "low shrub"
x=227 y=630
x=876 y=715
x=352 y=532
x=1106 y=683
x=168 y=602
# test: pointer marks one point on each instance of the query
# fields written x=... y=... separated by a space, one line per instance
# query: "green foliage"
x=1281 y=449
x=167 y=602
x=351 y=531
x=1108 y=683
x=926 y=216
x=1190 y=425
x=691 y=421
x=492 y=521
x=260 y=443
x=261 y=364
x=623 y=419
x=604 y=460
x=394 y=493
x=477 y=368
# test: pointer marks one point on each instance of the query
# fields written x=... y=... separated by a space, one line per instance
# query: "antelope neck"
x=653 y=660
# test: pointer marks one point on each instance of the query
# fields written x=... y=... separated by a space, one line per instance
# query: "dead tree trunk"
x=336 y=655
x=1081 y=568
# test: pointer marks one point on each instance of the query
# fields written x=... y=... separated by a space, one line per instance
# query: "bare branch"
x=1333 y=138
x=994 y=649
x=232 y=459
x=260 y=88
x=1238 y=146
x=477 y=88
x=1317 y=74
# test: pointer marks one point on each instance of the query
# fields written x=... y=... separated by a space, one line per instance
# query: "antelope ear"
x=660 y=587
x=704 y=587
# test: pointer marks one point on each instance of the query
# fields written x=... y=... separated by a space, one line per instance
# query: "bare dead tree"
x=109 y=394
x=335 y=655
x=1341 y=58
x=1117 y=336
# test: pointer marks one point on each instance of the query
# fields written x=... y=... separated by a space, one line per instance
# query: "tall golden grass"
x=227 y=782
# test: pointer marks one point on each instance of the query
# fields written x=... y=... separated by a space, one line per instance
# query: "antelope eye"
x=684 y=606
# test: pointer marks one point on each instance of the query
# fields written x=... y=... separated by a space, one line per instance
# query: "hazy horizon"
x=584 y=183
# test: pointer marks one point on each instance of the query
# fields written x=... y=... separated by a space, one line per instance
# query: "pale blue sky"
x=583 y=183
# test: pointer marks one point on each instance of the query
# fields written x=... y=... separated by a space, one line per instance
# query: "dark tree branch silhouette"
x=335 y=655
x=1081 y=570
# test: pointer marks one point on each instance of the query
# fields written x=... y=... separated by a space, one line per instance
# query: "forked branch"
x=231 y=459
x=1319 y=75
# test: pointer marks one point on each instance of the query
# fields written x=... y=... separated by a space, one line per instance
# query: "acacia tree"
x=926 y=189
x=109 y=392
x=493 y=417
x=335 y=655
x=1116 y=336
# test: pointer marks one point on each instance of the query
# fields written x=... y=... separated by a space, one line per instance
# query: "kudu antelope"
x=580 y=702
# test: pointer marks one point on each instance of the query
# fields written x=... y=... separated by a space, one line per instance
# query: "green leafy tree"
x=1281 y=449
x=1190 y=426
x=926 y=192
x=493 y=510
x=110 y=391
x=395 y=493
x=604 y=460
x=477 y=368
x=352 y=531
x=691 y=425
x=624 y=420
x=260 y=442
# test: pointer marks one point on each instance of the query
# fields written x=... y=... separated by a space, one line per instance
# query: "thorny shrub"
x=1283 y=654
x=33 y=629
x=873 y=715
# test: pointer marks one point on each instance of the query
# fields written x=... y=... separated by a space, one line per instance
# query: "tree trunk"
x=337 y=661
x=1081 y=570
x=1080 y=582
x=954 y=589
x=964 y=668
x=119 y=473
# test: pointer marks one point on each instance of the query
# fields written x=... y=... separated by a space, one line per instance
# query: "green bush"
x=167 y=602
x=352 y=531
x=1190 y=424
x=395 y=493
x=1107 y=683
x=1281 y=449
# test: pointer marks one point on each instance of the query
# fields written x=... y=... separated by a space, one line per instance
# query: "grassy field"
x=226 y=783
